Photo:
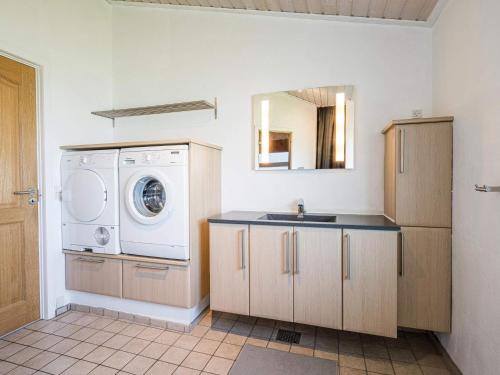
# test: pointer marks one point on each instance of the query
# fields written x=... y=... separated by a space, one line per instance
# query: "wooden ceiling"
x=411 y=10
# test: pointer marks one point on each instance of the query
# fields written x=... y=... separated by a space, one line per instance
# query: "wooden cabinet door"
x=424 y=285
x=424 y=175
x=318 y=277
x=370 y=282
x=271 y=278
x=229 y=268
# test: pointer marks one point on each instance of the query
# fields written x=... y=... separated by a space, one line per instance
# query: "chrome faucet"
x=301 y=209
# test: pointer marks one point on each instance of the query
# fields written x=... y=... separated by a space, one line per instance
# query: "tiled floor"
x=82 y=343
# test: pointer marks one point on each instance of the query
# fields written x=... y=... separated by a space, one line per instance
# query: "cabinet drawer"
x=94 y=275
x=158 y=283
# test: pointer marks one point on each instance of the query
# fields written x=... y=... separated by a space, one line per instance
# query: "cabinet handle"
x=296 y=251
x=287 y=252
x=401 y=151
x=402 y=269
x=89 y=260
x=242 y=244
x=348 y=257
x=153 y=268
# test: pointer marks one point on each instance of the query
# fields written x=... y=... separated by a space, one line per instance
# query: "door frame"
x=42 y=248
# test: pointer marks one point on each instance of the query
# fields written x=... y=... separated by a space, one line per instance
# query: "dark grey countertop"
x=374 y=222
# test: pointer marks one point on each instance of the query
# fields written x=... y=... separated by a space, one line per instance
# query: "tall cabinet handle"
x=347 y=275
x=242 y=244
x=401 y=151
x=402 y=269
x=287 y=252
x=296 y=251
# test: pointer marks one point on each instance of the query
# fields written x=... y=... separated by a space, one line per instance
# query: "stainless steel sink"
x=314 y=218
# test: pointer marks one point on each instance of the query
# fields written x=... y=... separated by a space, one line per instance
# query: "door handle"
x=32 y=192
x=287 y=252
x=401 y=151
x=89 y=260
x=296 y=251
x=153 y=268
x=347 y=275
x=402 y=269
x=243 y=264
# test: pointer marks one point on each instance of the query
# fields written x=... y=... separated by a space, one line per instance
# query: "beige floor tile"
x=154 y=350
x=3 y=343
x=59 y=365
x=235 y=339
x=133 y=330
x=405 y=368
x=187 y=342
x=38 y=324
x=80 y=368
x=175 y=355
x=81 y=350
x=32 y=338
x=162 y=368
x=434 y=371
x=199 y=331
x=86 y=320
x=116 y=326
x=100 y=337
x=135 y=346
x=207 y=346
x=350 y=347
x=186 y=371
x=219 y=366
x=381 y=366
x=70 y=317
x=196 y=360
x=10 y=350
x=351 y=371
x=228 y=351
x=430 y=360
x=103 y=370
x=402 y=355
x=83 y=334
x=63 y=346
x=213 y=334
x=118 y=360
x=257 y=342
x=331 y=344
x=117 y=341
x=167 y=337
x=68 y=330
x=47 y=342
x=352 y=360
x=302 y=350
x=18 y=335
x=139 y=365
x=24 y=355
x=6 y=367
x=150 y=333
x=21 y=370
x=100 y=323
x=99 y=355
x=375 y=351
x=41 y=360
x=277 y=346
x=52 y=327
x=326 y=355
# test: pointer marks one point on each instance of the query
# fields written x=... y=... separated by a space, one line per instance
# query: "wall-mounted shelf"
x=159 y=109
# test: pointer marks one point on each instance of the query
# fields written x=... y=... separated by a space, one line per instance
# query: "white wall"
x=163 y=55
x=466 y=46
x=71 y=42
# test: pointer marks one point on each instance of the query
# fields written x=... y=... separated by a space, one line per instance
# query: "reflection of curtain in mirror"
x=325 y=139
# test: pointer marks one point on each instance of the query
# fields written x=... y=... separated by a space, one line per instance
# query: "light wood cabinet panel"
x=370 y=282
x=157 y=283
x=318 y=277
x=423 y=174
x=229 y=268
x=271 y=278
x=424 y=285
x=94 y=275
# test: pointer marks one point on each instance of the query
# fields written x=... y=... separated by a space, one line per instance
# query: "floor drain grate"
x=290 y=337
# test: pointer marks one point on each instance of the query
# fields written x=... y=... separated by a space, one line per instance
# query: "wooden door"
x=229 y=268
x=19 y=283
x=317 y=279
x=271 y=278
x=424 y=285
x=424 y=175
x=370 y=282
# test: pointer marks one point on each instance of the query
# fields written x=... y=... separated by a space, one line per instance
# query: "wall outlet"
x=416 y=113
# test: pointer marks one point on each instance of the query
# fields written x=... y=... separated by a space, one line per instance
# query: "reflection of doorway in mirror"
x=279 y=144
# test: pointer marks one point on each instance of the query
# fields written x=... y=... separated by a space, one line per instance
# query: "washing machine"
x=90 y=201
x=154 y=201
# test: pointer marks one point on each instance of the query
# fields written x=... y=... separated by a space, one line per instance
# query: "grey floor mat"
x=254 y=360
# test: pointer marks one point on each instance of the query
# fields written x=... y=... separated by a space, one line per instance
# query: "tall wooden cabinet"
x=418 y=196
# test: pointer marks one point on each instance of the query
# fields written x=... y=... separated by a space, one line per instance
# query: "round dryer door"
x=84 y=195
x=148 y=197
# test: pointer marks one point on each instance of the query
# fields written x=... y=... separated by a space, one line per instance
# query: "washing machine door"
x=84 y=195
x=149 y=197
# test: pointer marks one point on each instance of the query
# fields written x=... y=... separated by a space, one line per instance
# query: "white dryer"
x=154 y=201
x=90 y=202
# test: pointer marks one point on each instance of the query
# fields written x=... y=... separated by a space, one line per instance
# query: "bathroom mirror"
x=304 y=129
